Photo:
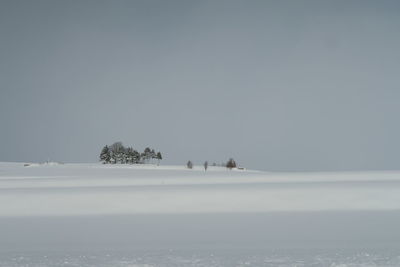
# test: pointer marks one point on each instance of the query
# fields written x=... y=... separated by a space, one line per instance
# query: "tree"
x=159 y=157
x=124 y=156
x=105 y=156
x=153 y=154
x=205 y=165
x=231 y=164
x=118 y=152
x=136 y=157
x=113 y=157
x=130 y=155
x=189 y=165
x=146 y=155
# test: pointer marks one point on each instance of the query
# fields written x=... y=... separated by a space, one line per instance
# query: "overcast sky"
x=278 y=85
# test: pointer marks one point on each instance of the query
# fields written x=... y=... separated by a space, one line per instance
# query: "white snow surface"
x=147 y=215
x=96 y=189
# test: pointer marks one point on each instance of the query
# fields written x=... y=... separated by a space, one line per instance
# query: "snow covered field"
x=102 y=215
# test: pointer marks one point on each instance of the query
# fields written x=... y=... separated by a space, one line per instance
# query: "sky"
x=277 y=85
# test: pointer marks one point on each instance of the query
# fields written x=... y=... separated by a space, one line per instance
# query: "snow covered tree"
x=129 y=155
x=138 y=159
x=118 y=152
x=132 y=156
x=159 y=157
x=189 y=165
x=105 y=156
x=146 y=155
x=153 y=154
x=113 y=157
x=124 y=156
x=231 y=164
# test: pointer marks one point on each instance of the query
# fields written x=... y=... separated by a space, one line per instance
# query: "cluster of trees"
x=230 y=164
x=117 y=153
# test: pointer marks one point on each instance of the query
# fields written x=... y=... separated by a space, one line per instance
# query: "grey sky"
x=278 y=85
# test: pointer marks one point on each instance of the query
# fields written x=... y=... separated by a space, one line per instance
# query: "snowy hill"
x=174 y=213
x=83 y=189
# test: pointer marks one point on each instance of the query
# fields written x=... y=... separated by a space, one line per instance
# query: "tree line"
x=117 y=153
x=230 y=164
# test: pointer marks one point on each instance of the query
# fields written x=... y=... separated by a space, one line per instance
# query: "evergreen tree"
x=153 y=154
x=105 y=156
x=146 y=156
x=129 y=155
x=113 y=157
x=125 y=156
x=120 y=155
x=118 y=152
x=159 y=157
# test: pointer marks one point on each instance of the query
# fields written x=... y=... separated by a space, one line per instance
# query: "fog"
x=288 y=85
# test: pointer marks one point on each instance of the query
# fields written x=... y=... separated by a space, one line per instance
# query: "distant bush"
x=189 y=165
x=231 y=164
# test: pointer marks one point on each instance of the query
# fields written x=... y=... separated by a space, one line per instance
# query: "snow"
x=77 y=214
x=95 y=189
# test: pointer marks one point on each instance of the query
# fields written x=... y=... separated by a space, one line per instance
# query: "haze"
x=277 y=85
